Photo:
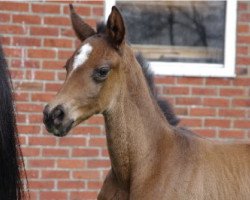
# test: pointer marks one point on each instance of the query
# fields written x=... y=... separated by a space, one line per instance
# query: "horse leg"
x=110 y=189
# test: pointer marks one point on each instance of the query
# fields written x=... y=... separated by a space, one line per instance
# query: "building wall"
x=37 y=40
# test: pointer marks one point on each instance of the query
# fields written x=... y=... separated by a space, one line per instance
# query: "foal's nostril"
x=58 y=113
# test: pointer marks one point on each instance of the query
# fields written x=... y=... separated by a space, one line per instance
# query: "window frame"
x=201 y=69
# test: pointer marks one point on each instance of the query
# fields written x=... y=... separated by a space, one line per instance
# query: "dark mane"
x=11 y=161
x=165 y=106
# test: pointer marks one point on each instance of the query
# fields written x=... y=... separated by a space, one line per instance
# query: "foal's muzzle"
x=55 y=121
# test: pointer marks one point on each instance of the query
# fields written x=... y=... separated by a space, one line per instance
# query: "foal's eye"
x=101 y=74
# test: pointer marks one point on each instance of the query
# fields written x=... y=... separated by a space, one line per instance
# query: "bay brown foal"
x=150 y=159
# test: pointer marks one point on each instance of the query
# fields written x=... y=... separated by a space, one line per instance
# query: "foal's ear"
x=81 y=29
x=115 y=27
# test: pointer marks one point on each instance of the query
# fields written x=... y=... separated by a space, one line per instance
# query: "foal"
x=150 y=159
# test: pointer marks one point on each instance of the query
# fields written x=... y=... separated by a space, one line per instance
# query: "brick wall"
x=37 y=39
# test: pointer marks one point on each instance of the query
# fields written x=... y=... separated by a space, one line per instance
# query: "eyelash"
x=101 y=73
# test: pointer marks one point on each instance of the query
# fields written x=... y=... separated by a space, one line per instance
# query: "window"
x=183 y=38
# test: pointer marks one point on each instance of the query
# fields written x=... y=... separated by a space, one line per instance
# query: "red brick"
x=52 y=87
x=242 y=6
x=31 y=195
x=44 y=31
x=38 y=163
x=58 y=21
x=97 y=3
x=41 y=184
x=53 y=64
x=95 y=120
x=86 y=174
x=97 y=142
x=4 y=40
x=83 y=195
x=94 y=185
x=67 y=141
x=27 y=19
x=164 y=80
x=21 y=41
x=62 y=43
x=14 y=6
x=243 y=60
x=42 y=8
x=188 y=101
x=12 y=29
x=22 y=140
x=67 y=32
x=20 y=118
x=81 y=10
x=218 y=81
x=242 y=124
x=241 y=102
x=85 y=152
x=242 y=82
x=243 y=28
x=223 y=123
x=26 y=64
x=71 y=185
x=28 y=129
x=86 y=130
x=242 y=50
x=63 y=54
x=30 y=152
x=44 y=75
x=49 y=152
x=237 y=134
x=105 y=153
x=32 y=174
x=35 y=118
x=175 y=90
x=25 y=107
x=192 y=122
x=202 y=112
x=190 y=80
x=71 y=163
x=30 y=86
x=4 y=17
x=227 y=112
x=231 y=92
x=13 y=52
x=55 y=174
x=53 y=195
x=98 y=11
x=48 y=141
x=17 y=74
x=98 y=164
x=21 y=97
x=181 y=111
x=42 y=97
x=244 y=39
x=216 y=102
x=204 y=91
x=41 y=53
x=244 y=17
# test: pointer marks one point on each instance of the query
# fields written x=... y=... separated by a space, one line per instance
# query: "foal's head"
x=94 y=75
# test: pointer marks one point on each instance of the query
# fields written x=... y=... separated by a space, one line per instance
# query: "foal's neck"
x=134 y=126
